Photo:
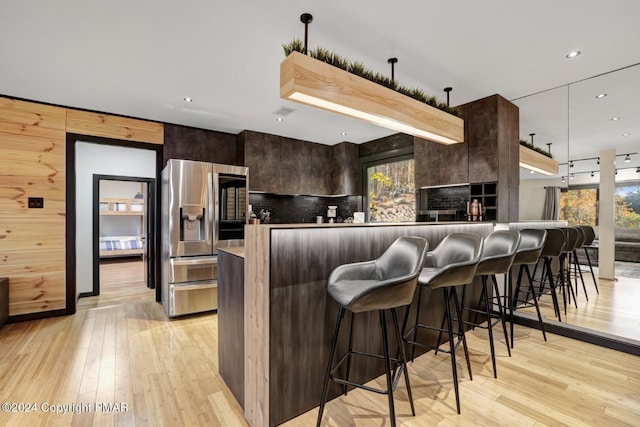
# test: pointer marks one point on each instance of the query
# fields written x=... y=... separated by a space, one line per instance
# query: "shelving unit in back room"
x=129 y=210
x=487 y=194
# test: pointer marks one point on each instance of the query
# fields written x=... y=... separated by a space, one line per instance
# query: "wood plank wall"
x=32 y=164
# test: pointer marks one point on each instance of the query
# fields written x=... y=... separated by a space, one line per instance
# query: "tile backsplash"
x=287 y=209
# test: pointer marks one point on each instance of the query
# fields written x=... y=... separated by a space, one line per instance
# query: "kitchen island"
x=288 y=318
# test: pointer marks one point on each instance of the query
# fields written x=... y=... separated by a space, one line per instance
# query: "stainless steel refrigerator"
x=204 y=205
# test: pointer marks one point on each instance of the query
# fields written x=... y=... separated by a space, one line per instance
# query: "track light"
x=627 y=158
x=638 y=169
x=591 y=174
x=565 y=180
x=570 y=163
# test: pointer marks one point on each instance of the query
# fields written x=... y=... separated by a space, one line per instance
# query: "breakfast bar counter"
x=287 y=317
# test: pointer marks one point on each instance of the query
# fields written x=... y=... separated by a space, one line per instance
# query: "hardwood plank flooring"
x=613 y=311
x=121 y=350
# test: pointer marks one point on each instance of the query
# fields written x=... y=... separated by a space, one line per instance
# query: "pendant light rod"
x=549 y=147
x=531 y=135
x=393 y=62
x=306 y=19
x=448 y=90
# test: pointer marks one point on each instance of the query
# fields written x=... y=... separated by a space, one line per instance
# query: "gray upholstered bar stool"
x=384 y=283
x=498 y=252
x=453 y=262
x=573 y=257
x=590 y=236
x=570 y=240
x=528 y=253
x=553 y=245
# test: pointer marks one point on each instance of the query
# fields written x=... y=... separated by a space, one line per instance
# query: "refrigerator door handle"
x=194 y=261
x=210 y=224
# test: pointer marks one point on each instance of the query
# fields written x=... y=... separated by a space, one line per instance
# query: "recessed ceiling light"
x=626 y=134
x=187 y=99
x=615 y=119
x=602 y=95
x=343 y=133
x=532 y=172
x=279 y=119
x=572 y=54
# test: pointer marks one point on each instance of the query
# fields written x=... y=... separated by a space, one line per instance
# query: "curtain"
x=551 y=204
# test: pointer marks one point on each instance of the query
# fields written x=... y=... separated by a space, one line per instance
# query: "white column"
x=606 y=221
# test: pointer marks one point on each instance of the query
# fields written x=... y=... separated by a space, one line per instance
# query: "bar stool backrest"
x=589 y=234
x=581 y=237
x=554 y=244
x=570 y=238
x=456 y=248
x=403 y=258
x=498 y=252
x=456 y=259
x=386 y=282
x=530 y=247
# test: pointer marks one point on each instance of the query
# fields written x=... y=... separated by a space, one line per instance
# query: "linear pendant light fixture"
x=537 y=162
x=312 y=82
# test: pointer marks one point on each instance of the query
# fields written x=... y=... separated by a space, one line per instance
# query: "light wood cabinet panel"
x=29 y=307
x=28 y=229
x=21 y=134
x=32 y=266
x=32 y=241
x=36 y=292
x=108 y=126
x=31 y=114
x=9 y=260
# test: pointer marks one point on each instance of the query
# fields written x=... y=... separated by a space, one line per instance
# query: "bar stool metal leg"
x=403 y=359
x=452 y=347
x=387 y=367
x=332 y=353
x=346 y=377
x=501 y=312
x=593 y=276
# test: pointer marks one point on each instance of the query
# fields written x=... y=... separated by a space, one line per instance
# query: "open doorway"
x=123 y=236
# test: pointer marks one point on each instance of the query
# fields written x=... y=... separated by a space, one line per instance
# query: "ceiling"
x=141 y=58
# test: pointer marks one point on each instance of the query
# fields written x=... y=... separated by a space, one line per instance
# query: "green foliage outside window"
x=579 y=206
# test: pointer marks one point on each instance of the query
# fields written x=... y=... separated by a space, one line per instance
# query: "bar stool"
x=590 y=236
x=528 y=253
x=498 y=252
x=384 y=283
x=570 y=240
x=453 y=262
x=553 y=245
x=573 y=256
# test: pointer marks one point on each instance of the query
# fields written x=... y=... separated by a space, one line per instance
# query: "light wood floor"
x=126 y=351
x=614 y=310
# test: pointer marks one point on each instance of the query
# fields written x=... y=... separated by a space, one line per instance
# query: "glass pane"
x=627 y=208
x=391 y=192
x=579 y=207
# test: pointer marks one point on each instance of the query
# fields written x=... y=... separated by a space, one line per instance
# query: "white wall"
x=121 y=225
x=102 y=160
x=532 y=195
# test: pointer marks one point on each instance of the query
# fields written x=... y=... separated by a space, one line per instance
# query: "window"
x=390 y=191
x=627 y=205
x=579 y=205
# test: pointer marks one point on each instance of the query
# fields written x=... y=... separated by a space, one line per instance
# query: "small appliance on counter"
x=358 y=217
x=204 y=206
